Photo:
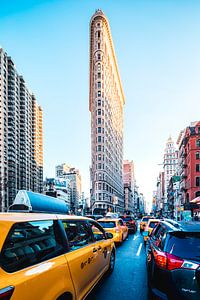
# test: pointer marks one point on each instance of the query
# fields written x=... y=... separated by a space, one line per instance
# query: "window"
x=99 y=84
x=99 y=102
x=30 y=243
x=99 y=130
x=198 y=143
x=99 y=120
x=99 y=111
x=99 y=75
x=98 y=33
x=99 y=147
x=98 y=46
x=99 y=93
x=197 y=181
x=97 y=231
x=98 y=56
x=198 y=168
x=121 y=223
x=197 y=194
x=99 y=138
x=185 y=245
x=197 y=155
x=99 y=67
x=78 y=234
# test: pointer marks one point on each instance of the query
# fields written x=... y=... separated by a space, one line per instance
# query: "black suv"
x=173 y=261
x=130 y=223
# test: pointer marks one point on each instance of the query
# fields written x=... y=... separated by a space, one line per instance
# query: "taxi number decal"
x=86 y=262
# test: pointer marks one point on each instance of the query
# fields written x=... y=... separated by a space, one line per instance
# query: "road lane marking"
x=135 y=237
x=139 y=249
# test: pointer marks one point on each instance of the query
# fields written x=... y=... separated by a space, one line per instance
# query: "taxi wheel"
x=112 y=262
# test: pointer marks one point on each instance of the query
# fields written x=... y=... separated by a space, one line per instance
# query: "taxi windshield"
x=146 y=219
x=107 y=224
x=152 y=224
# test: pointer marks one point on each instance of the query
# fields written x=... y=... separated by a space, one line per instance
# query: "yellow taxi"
x=144 y=222
x=149 y=227
x=115 y=226
x=52 y=256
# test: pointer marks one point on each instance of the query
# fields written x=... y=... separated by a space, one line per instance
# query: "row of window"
x=30 y=243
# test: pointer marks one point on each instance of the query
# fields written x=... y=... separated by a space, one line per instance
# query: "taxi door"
x=82 y=257
x=103 y=245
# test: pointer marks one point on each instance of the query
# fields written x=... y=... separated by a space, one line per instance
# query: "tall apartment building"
x=128 y=181
x=21 y=144
x=170 y=166
x=73 y=175
x=106 y=101
x=189 y=163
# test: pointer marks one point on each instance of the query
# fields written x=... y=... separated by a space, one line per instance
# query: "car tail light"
x=171 y=262
x=160 y=258
x=174 y=262
x=6 y=293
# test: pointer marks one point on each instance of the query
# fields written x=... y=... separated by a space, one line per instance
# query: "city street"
x=129 y=277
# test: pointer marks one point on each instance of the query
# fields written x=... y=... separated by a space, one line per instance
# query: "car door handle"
x=94 y=250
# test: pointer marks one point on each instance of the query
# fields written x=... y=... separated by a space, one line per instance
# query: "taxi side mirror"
x=109 y=235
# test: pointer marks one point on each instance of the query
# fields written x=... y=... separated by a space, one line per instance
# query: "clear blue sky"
x=158 y=50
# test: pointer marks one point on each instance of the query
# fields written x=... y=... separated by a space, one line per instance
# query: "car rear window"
x=145 y=219
x=107 y=224
x=152 y=224
x=185 y=245
x=126 y=219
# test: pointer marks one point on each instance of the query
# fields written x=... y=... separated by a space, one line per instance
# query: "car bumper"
x=117 y=238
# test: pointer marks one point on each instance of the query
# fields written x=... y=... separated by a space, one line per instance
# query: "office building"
x=106 y=102
x=21 y=136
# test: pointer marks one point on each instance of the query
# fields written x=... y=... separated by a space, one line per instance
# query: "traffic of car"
x=117 y=227
x=173 y=261
x=149 y=228
x=130 y=223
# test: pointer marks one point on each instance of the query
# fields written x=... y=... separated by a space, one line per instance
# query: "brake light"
x=6 y=293
x=167 y=261
x=174 y=262
x=160 y=258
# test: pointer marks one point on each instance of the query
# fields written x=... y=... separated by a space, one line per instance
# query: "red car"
x=130 y=223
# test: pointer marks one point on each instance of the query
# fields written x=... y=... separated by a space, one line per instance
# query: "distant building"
x=170 y=165
x=74 y=177
x=128 y=180
x=58 y=188
x=62 y=169
x=160 y=191
x=106 y=102
x=21 y=135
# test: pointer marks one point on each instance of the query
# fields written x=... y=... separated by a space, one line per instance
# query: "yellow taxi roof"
x=153 y=220
x=109 y=219
x=21 y=217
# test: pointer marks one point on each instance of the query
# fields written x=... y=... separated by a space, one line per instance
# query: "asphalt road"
x=128 y=280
